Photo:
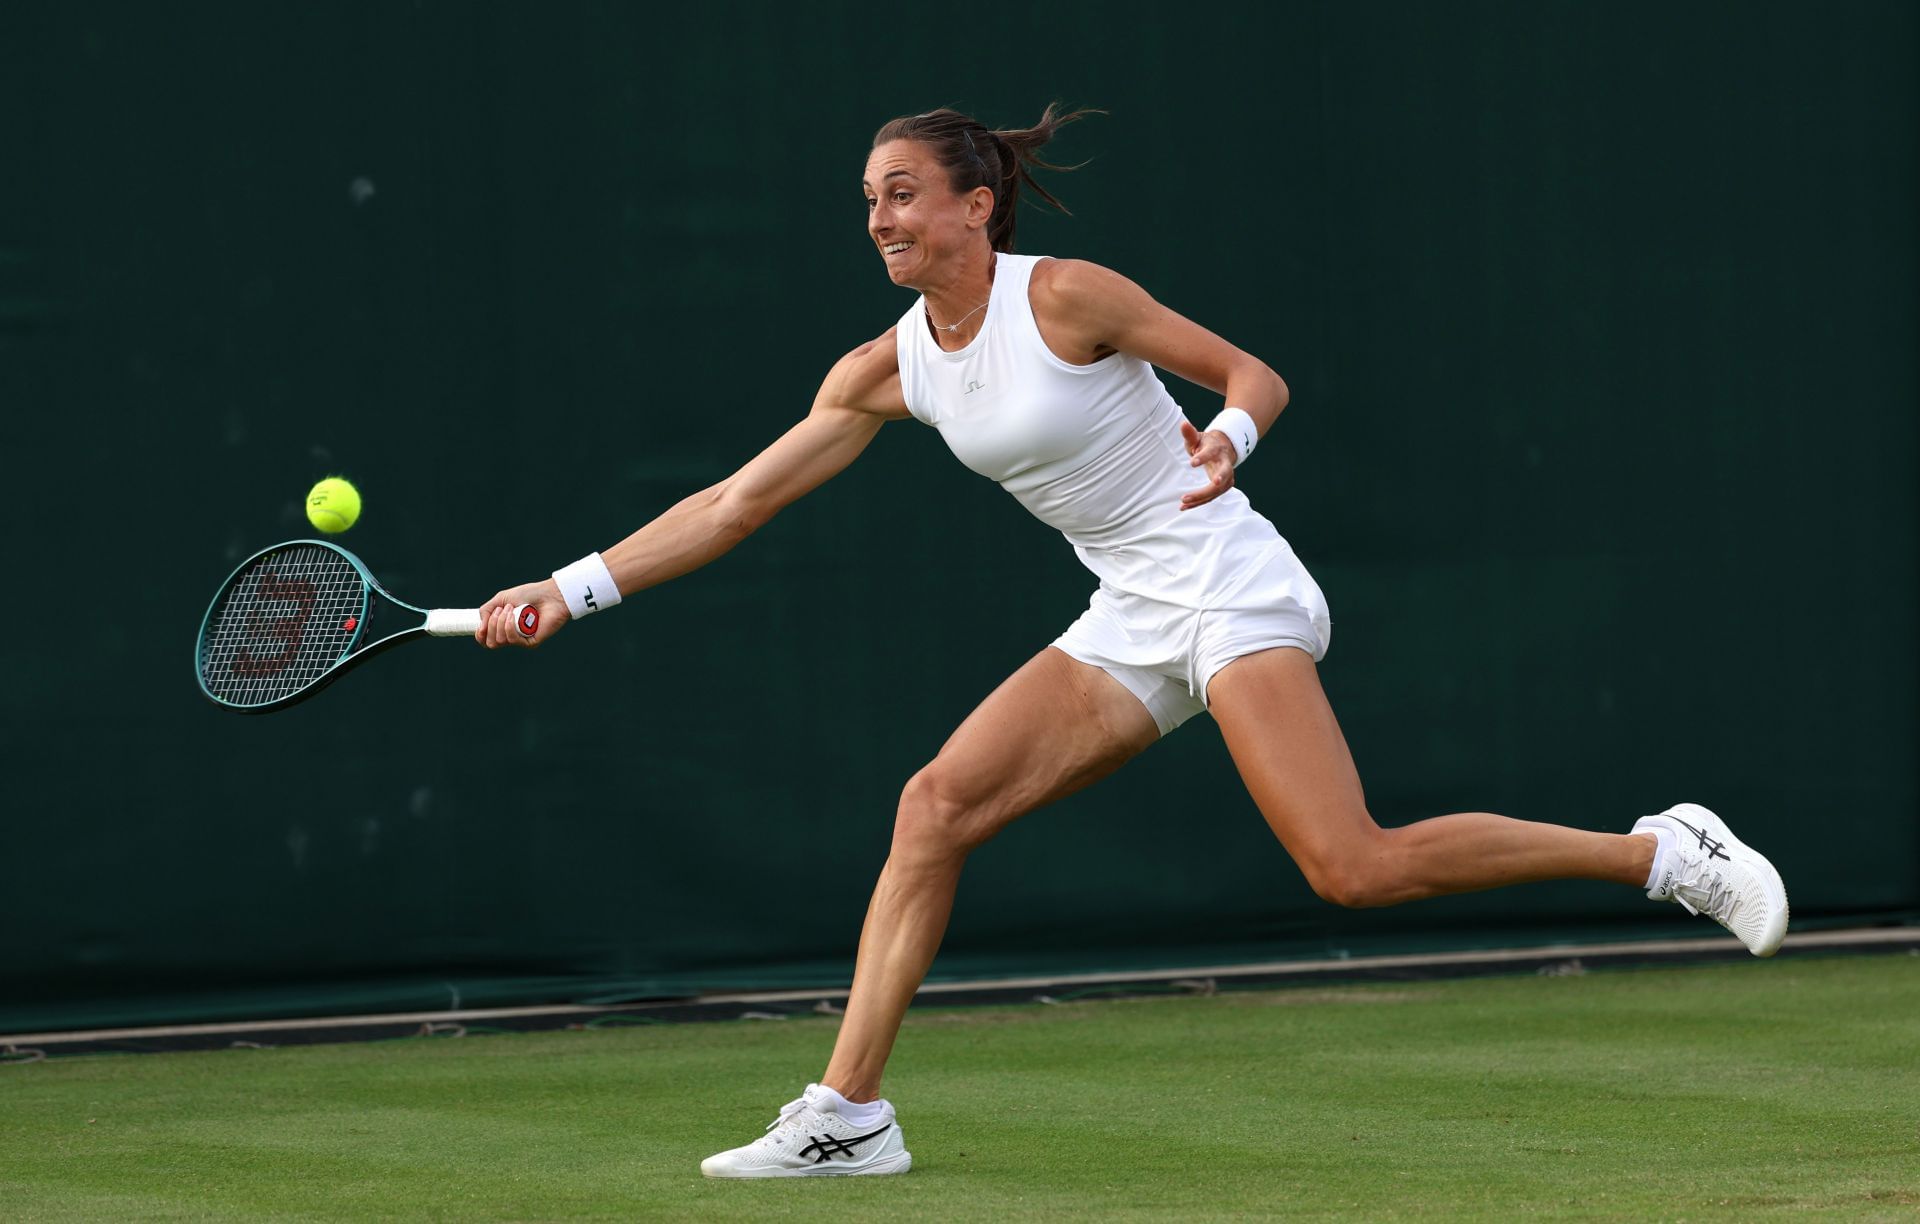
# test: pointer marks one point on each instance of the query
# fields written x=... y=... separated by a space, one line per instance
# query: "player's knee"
x=937 y=816
x=1362 y=875
x=1346 y=888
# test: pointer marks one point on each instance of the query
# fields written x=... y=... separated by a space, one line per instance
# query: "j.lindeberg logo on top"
x=972 y=386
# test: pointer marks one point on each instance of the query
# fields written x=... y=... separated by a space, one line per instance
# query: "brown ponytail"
x=974 y=155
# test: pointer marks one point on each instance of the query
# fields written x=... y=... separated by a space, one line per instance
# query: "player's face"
x=913 y=214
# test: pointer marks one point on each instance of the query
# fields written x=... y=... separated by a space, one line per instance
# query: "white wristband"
x=587 y=586
x=1240 y=430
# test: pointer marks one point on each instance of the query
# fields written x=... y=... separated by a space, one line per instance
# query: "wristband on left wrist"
x=1240 y=430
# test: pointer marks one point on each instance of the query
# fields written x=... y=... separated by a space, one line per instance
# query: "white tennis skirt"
x=1166 y=654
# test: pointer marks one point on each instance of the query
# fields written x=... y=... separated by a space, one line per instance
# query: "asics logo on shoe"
x=828 y=1147
x=1714 y=849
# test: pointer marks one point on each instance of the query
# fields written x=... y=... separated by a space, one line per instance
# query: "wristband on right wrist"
x=587 y=586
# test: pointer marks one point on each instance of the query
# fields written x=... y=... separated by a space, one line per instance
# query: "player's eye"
x=898 y=196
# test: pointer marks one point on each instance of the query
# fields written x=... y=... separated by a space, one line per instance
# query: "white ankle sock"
x=1663 y=844
x=864 y=1113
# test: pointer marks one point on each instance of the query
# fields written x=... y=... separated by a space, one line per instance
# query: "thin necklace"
x=963 y=318
x=955 y=326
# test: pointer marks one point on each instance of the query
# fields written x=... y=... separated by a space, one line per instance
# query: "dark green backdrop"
x=1600 y=323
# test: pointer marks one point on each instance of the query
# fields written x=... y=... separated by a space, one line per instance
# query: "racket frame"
x=348 y=658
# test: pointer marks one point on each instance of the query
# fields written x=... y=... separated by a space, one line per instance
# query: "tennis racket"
x=295 y=616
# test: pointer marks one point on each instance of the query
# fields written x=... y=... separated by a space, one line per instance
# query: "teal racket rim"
x=274 y=634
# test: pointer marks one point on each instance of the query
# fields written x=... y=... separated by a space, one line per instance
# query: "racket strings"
x=282 y=624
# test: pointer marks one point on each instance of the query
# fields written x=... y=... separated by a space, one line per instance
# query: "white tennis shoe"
x=811 y=1139
x=1710 y=871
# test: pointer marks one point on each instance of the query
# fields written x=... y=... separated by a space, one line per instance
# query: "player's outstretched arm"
x=861 y=393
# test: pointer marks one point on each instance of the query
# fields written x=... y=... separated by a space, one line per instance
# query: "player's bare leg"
x=1295 y=762
x=1053 y=727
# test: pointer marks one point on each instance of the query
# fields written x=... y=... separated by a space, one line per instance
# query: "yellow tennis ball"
x=333 y=505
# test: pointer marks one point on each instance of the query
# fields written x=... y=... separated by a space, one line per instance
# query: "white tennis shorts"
x=1166 y=654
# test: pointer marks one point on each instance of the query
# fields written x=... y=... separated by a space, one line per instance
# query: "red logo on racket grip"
x=528 y=620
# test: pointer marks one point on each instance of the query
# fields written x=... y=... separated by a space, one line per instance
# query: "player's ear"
x=979 y=207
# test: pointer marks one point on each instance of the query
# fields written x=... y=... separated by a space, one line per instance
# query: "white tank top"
x=1093 y=451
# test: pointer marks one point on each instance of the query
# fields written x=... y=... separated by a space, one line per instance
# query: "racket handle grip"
x=465 y=622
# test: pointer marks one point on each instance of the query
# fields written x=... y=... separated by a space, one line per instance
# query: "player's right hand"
x=498 y=626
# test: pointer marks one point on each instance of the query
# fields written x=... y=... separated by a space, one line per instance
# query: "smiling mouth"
x=897 y=248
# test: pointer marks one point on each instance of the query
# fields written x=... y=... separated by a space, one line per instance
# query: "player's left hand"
x=1213 y=451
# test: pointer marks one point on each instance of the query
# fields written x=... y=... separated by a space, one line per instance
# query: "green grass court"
x=1729 y=1092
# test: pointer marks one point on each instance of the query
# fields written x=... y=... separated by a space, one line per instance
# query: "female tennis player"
x=1039 y=374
